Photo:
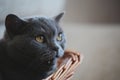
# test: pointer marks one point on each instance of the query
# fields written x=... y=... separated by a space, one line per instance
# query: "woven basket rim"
x=66 y=66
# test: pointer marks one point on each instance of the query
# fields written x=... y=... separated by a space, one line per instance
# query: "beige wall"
x=93 y=11
x=81 y=11
x=25 y=8
x=100 y=45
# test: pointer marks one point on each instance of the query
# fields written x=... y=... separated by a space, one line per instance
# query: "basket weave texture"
x=66 y=66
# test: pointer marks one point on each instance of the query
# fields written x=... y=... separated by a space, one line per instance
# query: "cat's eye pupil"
x=59 y=37
x=40 y=39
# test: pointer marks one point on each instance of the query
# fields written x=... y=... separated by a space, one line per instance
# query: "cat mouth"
x=52 y=61
x=51 y=58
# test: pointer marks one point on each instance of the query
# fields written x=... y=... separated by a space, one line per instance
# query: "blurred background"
x=92 y=27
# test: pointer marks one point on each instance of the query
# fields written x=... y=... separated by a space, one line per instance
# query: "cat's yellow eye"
x=40 y=39
x=59 y=37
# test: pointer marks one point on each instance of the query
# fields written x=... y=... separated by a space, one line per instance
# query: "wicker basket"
x=66 y=66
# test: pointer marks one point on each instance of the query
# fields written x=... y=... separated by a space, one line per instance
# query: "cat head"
x=37 y=38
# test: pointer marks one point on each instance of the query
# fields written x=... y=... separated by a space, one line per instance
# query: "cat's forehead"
x=39 y=20
x=45 y=24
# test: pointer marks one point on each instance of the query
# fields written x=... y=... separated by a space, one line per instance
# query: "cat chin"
x=53 y=69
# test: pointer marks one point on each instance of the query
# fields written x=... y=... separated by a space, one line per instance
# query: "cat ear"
x=13 y=24
x=58 y=17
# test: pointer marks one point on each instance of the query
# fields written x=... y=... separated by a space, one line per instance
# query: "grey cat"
x=30 y=47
